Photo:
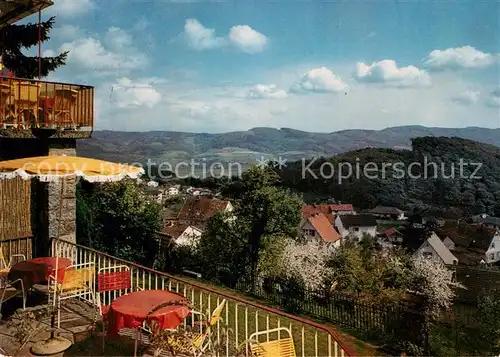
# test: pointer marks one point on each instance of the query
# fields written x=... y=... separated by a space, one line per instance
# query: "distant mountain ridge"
x=246 y=146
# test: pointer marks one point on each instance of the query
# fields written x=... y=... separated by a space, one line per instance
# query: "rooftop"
x=358 y=220
x=15 y=10
x=324 y=227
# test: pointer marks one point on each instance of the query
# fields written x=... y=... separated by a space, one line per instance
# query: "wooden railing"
x=240 y=318
x=27 y=104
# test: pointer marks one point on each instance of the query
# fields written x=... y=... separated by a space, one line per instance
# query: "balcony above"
x=15 y=10
x=32 y=108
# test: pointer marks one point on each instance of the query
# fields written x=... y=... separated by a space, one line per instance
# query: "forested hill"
x=406 y=183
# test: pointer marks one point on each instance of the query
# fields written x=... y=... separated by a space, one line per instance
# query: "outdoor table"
x=131 y=310
x=37 y=271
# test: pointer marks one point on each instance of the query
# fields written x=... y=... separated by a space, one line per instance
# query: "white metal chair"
x=78 y=282
x=9 y=290
x=5 y=266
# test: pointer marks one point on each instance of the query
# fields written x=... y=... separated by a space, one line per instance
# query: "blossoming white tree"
x=434 y=281
x=308 y=262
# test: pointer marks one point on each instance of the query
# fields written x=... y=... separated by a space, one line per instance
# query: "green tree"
x=16 y=38
x=263 y=210
x=118 y=219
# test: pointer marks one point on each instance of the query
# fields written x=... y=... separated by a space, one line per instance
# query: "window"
x=356 y=229
x=492 y=245
x=492 y=256
x=427 y=255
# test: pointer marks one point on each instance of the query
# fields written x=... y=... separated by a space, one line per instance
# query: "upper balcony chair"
x=64 y=107
x=24 y=110
x=282 y=347
x=12 y=289
x=195 y=343
x=78 y=281
x=5 y=266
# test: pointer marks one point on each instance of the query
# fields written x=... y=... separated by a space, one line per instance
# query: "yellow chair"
x=78 y=281
x=194 y=343
x=282 y=347
x=25 y=100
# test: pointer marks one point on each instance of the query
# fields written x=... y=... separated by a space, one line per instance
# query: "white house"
x=183 y=234
x=493 y=252
x=356 y=225
x=190 y=237
x=433 y=248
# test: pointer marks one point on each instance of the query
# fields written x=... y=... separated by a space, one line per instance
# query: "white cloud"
x=266 y=91
x=200 y=37
x=319 y=80
x=48 y=53
x=466 y=57
x=494 y=99
x=241 y=37
x=71 y=8
x=247 y=39
x=466 y=98
x=132 y=94
x=67 y=32
x=117 y=38
x=388 y=73
x=118 y=57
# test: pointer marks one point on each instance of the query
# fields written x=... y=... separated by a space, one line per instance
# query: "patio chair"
x=112 y=281
x=195 y=343
x=12 y=289
x=78 y=282
x=5 y=266
x=282 y=347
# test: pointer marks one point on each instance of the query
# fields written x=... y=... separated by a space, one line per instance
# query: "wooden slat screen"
x=15 y=209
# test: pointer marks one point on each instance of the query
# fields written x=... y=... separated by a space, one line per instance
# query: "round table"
x=38 y=270
x=131 y=310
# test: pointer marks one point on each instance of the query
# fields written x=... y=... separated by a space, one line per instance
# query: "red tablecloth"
x=38 y=270
x=130 y=311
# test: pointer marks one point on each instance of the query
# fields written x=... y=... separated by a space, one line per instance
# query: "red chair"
x=112 y=282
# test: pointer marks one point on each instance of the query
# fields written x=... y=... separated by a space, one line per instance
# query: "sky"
x=319 y=66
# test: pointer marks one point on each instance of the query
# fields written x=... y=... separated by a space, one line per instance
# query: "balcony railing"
x=32 y=104
x=240 y=316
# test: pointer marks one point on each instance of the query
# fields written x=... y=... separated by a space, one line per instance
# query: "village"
x=472 y=241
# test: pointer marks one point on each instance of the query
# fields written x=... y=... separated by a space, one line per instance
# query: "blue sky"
x=316 y=66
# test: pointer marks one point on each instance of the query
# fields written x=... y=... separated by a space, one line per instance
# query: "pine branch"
x=15 y=37
x=27 y=67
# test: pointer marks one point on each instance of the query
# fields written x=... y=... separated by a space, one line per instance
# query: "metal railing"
x=240 y=318
x=27 y=104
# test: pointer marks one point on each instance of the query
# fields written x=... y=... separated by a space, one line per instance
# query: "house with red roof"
x=318 y=226
x=198 y=209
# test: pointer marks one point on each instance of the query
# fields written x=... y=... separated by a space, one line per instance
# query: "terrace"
x=240 y=318
x=34 y=108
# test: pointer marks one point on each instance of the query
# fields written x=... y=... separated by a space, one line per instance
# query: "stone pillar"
x=62 y=198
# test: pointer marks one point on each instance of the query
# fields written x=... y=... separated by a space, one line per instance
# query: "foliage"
x=118 y=219
x=488 y=315
x=262 y=211
x=461 y=193
x=17 y=37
